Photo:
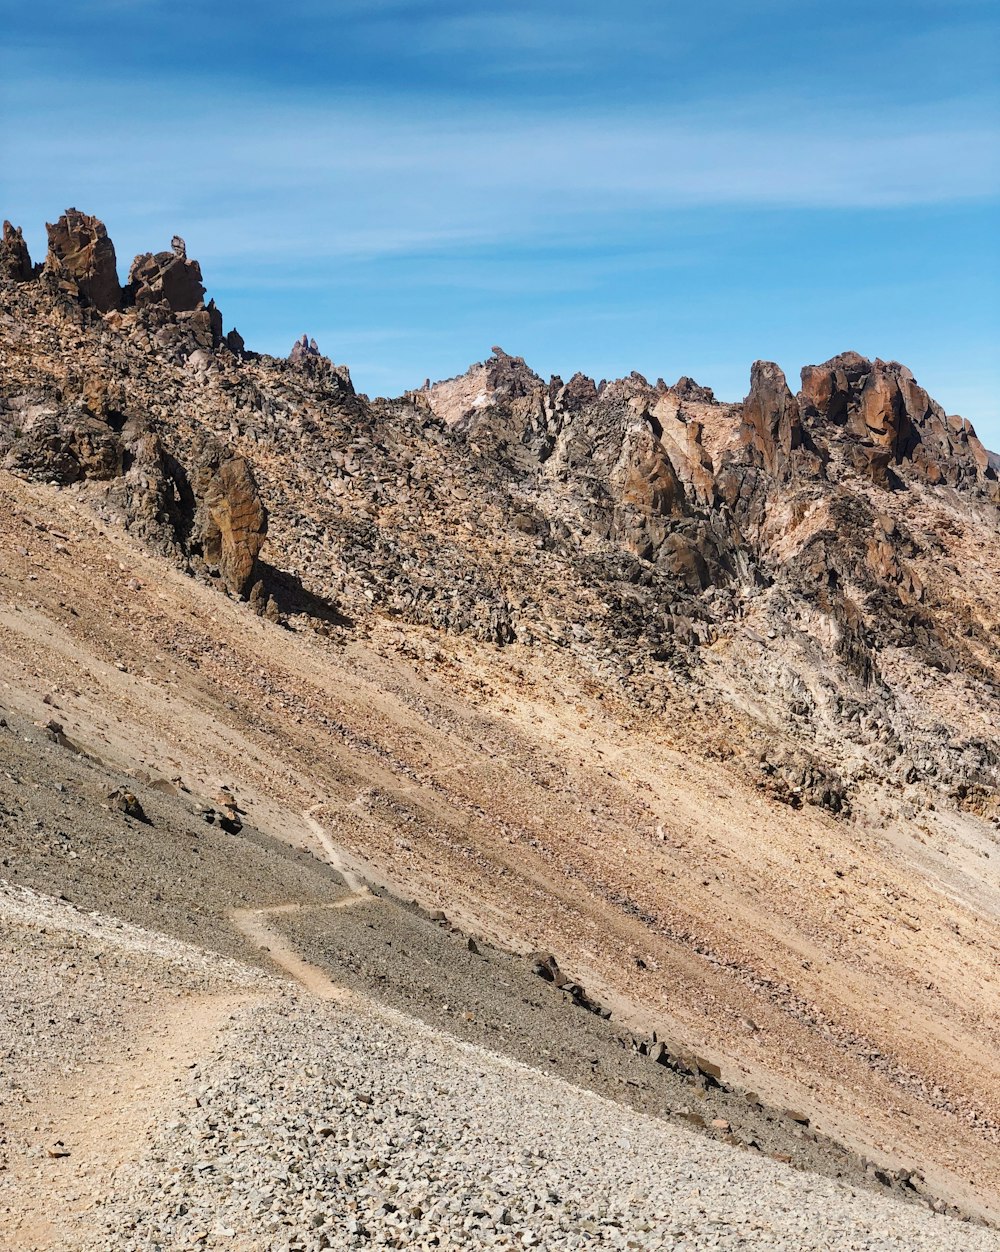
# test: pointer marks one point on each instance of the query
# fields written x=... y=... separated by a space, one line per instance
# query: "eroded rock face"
x=827 y=388
x=772 y=424
x=577 y=393
x=50 y=445
x=15 y=261
x=686 y=388
x=891 y=421
x=81 y=255
x=167 y=276
x=649 y=493
x=230 y=523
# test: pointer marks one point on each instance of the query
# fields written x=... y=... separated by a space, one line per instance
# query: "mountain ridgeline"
x=815 y=573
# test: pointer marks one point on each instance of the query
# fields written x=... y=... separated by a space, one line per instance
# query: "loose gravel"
x=315 y=1127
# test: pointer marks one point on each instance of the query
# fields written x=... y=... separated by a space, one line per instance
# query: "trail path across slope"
x=100 y=1118
x=334 y=855
x=254 y=925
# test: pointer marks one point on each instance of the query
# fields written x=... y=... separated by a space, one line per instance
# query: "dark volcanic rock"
x=82 y=256
x=687 y=389
x=64 y=448
x=15 y=261
x=169 y=277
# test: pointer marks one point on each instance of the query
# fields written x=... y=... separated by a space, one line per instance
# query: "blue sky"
x=666 y=187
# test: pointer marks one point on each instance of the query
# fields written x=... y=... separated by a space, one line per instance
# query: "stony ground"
x=248 y=896
x=165 y=1098
x=320 y=1129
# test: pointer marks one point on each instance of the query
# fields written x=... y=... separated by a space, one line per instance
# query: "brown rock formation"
x=649 y=490
x=772 y=425
x=15 y=262
x=82 y=255
x=578 y=392
x=500 y=379
x=230 y=523
x=686 y=388
x=827 y=388
x=167 y=276
x=890 y=421
x=303 y=348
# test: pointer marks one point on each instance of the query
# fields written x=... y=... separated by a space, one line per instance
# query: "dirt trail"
x=253 y=924
x=101 y=1118
x=334 y=855
x=89 y=1124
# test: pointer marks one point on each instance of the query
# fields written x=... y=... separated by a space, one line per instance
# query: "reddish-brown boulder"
x=81 y=253
x=230 y=523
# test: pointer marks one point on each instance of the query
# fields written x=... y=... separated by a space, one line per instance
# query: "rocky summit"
x=698 y=700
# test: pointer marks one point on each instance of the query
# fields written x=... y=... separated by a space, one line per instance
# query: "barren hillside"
x=701 y=698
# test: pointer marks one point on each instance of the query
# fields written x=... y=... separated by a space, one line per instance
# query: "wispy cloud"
x=551 y=222
x=334 y=179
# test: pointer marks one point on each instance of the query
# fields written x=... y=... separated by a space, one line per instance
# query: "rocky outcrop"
x=686 y=388
x=82 y=258
x=230 y=522
x=47 y=444
x=667 y=540
x=889 y=422
x=208 y=511
x=771 y=423
x=501 y=379
x=15 y=261
x=576 y=394
x=302 y=349
x=168 y=277
x=650 y=496
x=827 y=388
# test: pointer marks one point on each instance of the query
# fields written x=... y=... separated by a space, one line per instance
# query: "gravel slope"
x=319 y=1128
x=198 y=1103
x=533 y=808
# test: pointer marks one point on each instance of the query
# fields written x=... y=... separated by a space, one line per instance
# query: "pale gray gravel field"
x=312 y=1125
x=319 y=1127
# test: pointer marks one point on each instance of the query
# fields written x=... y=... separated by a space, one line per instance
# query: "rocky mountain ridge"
x=794 y=560
x=699 y=698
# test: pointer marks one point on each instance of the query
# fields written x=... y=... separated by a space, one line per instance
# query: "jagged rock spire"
x=80 y=252
x=303 y=348
x=15 y=261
